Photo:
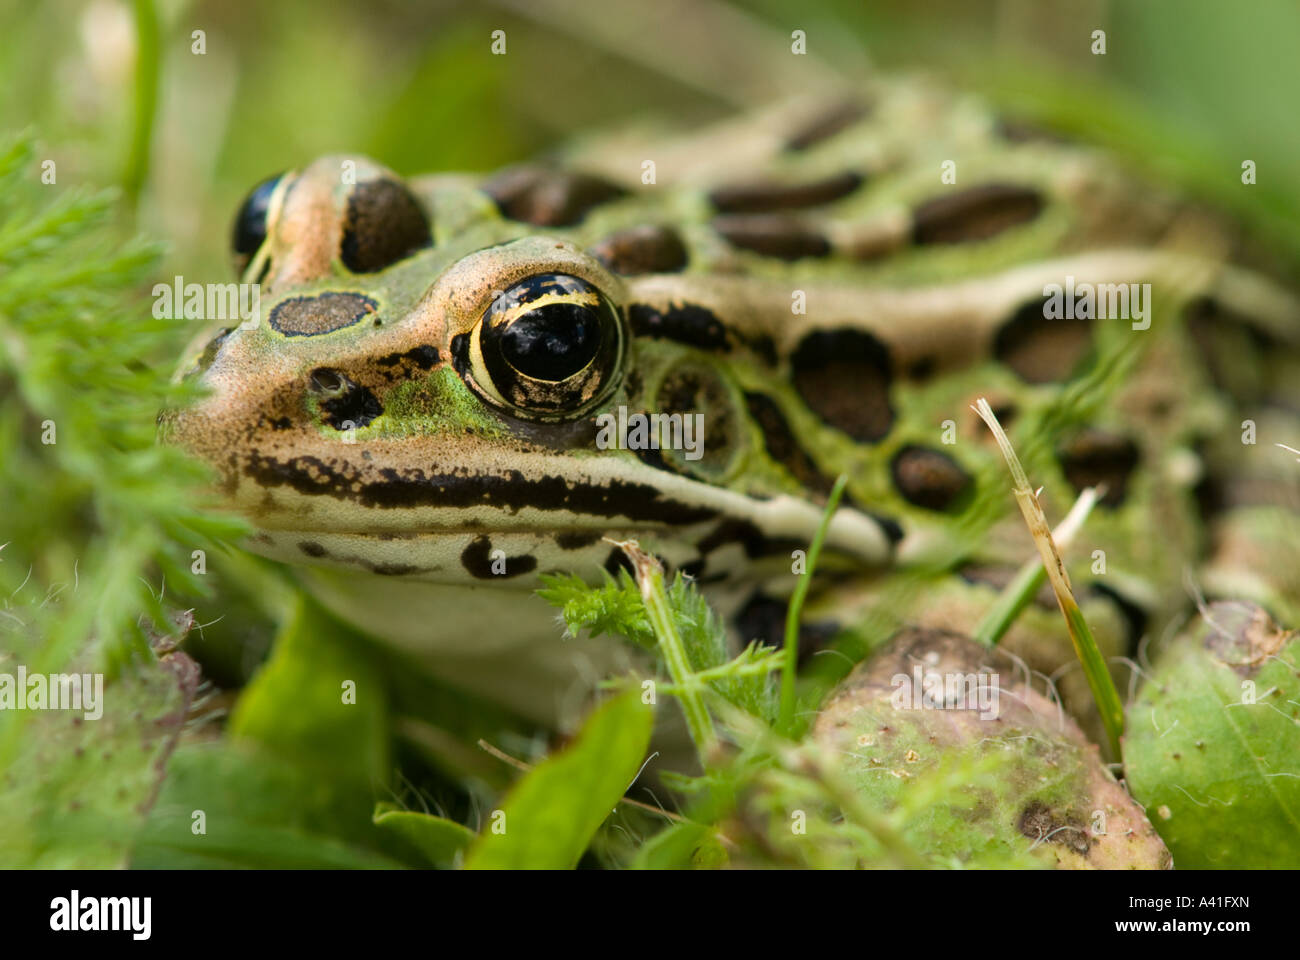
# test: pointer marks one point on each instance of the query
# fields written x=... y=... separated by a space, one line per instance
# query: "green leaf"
x=554 y=811
x=318 y=702
x=616 y=608
x=1212 y=748
x=613 y=608
x=437 y=838
x=295 y=782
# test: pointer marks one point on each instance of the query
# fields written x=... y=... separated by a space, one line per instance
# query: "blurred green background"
x=1189 y=87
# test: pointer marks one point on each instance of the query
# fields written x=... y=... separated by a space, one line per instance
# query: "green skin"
x=835 y=306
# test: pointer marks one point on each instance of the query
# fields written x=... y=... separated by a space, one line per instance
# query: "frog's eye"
x=548 y=348
x=252 y=220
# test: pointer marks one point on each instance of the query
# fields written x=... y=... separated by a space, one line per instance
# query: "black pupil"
x=250 y=223
x=552 y=342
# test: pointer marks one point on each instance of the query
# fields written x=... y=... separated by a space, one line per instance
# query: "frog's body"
x=816 y=285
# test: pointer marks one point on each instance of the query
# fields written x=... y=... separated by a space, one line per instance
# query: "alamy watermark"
x=179 y=300
x=53 y=691
x=932 y=690
x=651 y=431
x=77 y=913
x=1100 y=301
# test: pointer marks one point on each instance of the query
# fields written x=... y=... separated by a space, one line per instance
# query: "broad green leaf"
x=1213 y=743
x=295 y=781
x=318 y=702
x=550 y=816
x=437 y=838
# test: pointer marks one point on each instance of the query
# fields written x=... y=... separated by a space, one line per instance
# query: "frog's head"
x=422 y=395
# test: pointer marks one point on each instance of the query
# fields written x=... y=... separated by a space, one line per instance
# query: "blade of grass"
x=786 y=717
x=689 y=688
x=1103 y=689
x=146 y=100
x=1029 y=578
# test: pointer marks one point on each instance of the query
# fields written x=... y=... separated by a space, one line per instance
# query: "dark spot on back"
x=773 y=235
x=825 y=124
x=477 y=561
x=922 y=368
x=976 y=213
x=767 y=197
x=930 y=479
x=323 y=313
x=645 y=249
x=383 y=224
x=686 y=323
x=311 y=548
x=1094 y=457
x=781 y=444
x=1039 y=349
x=546 y=197
x=844 y=376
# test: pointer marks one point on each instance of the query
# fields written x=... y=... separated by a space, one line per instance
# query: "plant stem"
x=1017 y=594
x=146 y=100
x=688 y=687
x=786 y=719
x=1100 y=682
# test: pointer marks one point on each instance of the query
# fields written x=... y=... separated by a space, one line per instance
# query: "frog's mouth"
x=452 y=506
x=535 y=513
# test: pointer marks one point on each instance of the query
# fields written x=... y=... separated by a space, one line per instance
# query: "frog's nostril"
x=328 y=383
x=343 y=404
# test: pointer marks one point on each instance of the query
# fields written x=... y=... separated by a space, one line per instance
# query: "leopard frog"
x=416 y=421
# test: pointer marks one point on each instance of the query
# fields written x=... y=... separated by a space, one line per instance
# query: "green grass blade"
x=1095 y=670
x=786 y=720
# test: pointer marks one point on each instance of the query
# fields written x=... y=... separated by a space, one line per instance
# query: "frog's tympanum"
x=454 y=384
